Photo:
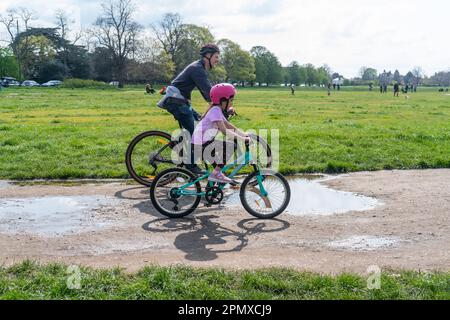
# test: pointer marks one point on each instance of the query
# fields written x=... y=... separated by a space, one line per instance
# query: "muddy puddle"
x=310 y=197
x=364 y=243
x=56 y=215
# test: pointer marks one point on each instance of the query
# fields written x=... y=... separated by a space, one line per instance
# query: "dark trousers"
x=186 y=116
x=222 y=151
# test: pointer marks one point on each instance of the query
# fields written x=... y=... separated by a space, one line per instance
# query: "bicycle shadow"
x=134 y=193
x=202 y=239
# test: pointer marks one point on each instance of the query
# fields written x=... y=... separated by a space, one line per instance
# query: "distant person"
x=292 y=89
x=370 y=86
x=334 y=86
x=329 y=89
x=407 y=88
x=396 y=89
x=339 y=87
x=149 y=89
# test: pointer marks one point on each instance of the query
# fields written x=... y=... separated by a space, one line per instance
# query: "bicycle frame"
x=246 y=158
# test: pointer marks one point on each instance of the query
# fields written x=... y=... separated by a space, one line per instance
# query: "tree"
x=101 y=61
x=312 y=77
x=63 y=23
x=193 y=38
x=51 y=70
x=368 y=74
x=116 y=30
x=238 y=64
x=293 y=72
x=268 y=67
x=323 y=75
x=261 y=67
x=35 y=49
x=158 y=70
x=418 y=74
x=169 y=32
x=10 y=22
x=397 y=76
x=409 y=78
x=441 y=78
x=8 y=63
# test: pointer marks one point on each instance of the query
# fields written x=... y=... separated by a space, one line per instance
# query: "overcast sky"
x=345 y=34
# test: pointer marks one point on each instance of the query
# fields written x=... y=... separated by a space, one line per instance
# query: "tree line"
x=116 y=47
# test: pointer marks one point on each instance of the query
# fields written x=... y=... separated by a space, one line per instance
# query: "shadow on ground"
x=204 y=239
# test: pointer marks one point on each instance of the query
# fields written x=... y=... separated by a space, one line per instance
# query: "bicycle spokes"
x=265 y=194
x=172 y=195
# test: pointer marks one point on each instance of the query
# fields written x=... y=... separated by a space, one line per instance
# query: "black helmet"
x=209 y=48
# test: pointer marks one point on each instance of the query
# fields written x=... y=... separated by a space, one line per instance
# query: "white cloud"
x=348 y=34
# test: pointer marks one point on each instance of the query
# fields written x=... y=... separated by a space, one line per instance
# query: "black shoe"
x=195 y=169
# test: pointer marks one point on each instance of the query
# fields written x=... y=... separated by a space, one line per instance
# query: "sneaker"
x=219 y=177
x=195 y=169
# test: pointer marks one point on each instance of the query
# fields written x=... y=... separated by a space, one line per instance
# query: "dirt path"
x=411 y=230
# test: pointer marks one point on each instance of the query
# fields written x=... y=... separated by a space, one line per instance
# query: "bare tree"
x=26 y=15
x=169 y=32
x=10 y=22
x=116 y=30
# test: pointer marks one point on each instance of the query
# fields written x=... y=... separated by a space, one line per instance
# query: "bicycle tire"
x=248 y=181
x=128 y=154
x=163 y=211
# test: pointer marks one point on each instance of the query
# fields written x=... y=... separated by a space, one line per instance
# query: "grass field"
x=32 y=281
x=83 y=133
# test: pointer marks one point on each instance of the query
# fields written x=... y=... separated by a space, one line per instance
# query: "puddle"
x=68 y=183
x=4 y=184
x=364 y=243
x=54 y=216
x=309 y=197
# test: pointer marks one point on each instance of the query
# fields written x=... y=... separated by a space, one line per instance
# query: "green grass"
x=83 y=133
x=29 y=280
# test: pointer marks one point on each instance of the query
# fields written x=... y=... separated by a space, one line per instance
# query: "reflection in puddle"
x=364 y=243
x=52 y=216
x=4 y=184
x=309 y=197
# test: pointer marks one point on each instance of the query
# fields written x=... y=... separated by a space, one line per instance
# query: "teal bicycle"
x=264 y=193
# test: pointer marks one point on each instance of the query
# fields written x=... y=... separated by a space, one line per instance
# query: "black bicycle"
x=152 y=152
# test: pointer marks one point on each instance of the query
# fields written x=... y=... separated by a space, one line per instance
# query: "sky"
x=346 y=34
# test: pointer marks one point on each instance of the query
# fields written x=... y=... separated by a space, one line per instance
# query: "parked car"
x=9 y=82
x=51 y=83
x=30 y=83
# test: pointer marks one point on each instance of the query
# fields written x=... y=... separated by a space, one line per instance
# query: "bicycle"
x=150 y=153
x=265 y=194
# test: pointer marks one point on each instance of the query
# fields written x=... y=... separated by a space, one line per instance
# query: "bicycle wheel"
x=271 y=205
x=148 y=154
x=166 y=196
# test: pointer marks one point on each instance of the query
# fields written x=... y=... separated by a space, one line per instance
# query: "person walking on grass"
x=396 y=89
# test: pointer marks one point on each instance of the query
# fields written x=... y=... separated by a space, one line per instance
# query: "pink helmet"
x=222 y=91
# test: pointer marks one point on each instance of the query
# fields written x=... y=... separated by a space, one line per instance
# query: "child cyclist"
x=217 y=152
